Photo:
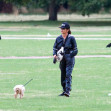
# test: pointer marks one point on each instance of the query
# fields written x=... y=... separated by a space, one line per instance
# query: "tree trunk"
x=1 y=6
x=53 y=10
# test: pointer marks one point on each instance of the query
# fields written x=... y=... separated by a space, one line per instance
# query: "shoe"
x=67 y=94
x=62 y=94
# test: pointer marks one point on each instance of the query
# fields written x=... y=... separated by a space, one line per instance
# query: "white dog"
x=19 y=90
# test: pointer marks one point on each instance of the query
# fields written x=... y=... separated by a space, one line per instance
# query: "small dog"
x=19 y=90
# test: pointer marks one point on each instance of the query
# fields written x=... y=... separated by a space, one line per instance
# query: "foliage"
x=107 y=5
x=40 y=3
x=18 y=2
x=86 y=7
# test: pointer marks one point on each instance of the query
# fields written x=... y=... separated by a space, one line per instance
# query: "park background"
x=28 y=29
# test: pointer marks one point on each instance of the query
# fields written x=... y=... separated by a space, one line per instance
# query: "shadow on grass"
x=56 y=23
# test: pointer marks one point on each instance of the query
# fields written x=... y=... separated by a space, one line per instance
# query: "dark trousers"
x=66 y=67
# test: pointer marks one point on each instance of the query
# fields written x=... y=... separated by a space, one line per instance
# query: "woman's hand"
x=55 y=59
x=55 y=56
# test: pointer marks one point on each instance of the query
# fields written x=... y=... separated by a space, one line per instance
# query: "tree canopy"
x=85 y=7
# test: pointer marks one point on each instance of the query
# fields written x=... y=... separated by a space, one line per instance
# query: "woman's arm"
x=55 y=48
x=75 y=49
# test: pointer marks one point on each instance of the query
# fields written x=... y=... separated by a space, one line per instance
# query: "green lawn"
x=45 y=47
x=90 y=85
x=45 y=27
x=40 y=30
x=91 y=81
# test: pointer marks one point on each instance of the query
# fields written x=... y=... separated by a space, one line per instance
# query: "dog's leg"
x=21 y=93
x=20 y=96
x=15 y=96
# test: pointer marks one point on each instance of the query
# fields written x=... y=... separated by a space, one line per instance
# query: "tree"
x=107 y=5
x=53 y=9
x=1 y=5
x=52 y=6
x=5 y=7
x=86 y=7
x=18 y=2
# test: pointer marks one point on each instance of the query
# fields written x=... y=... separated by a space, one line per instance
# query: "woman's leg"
x=63 y=73
x=69 y=68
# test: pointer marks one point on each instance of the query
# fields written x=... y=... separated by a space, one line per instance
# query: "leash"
x=27 y=82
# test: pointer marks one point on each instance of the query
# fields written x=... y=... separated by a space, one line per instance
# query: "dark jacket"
x=69 y=44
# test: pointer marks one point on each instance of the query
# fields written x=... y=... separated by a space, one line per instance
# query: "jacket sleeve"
x=55 y=48
x=75 y=49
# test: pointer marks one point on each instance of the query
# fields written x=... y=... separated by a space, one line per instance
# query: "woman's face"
x=64 y=31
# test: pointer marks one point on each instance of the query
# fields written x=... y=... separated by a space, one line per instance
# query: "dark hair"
x=69 y=32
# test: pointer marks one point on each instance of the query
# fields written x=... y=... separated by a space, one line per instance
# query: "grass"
x=90 y=85
x=41 y=30
x=45 y=27
x=45 y=47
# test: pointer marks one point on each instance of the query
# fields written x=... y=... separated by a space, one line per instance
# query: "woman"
x=67 y=41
